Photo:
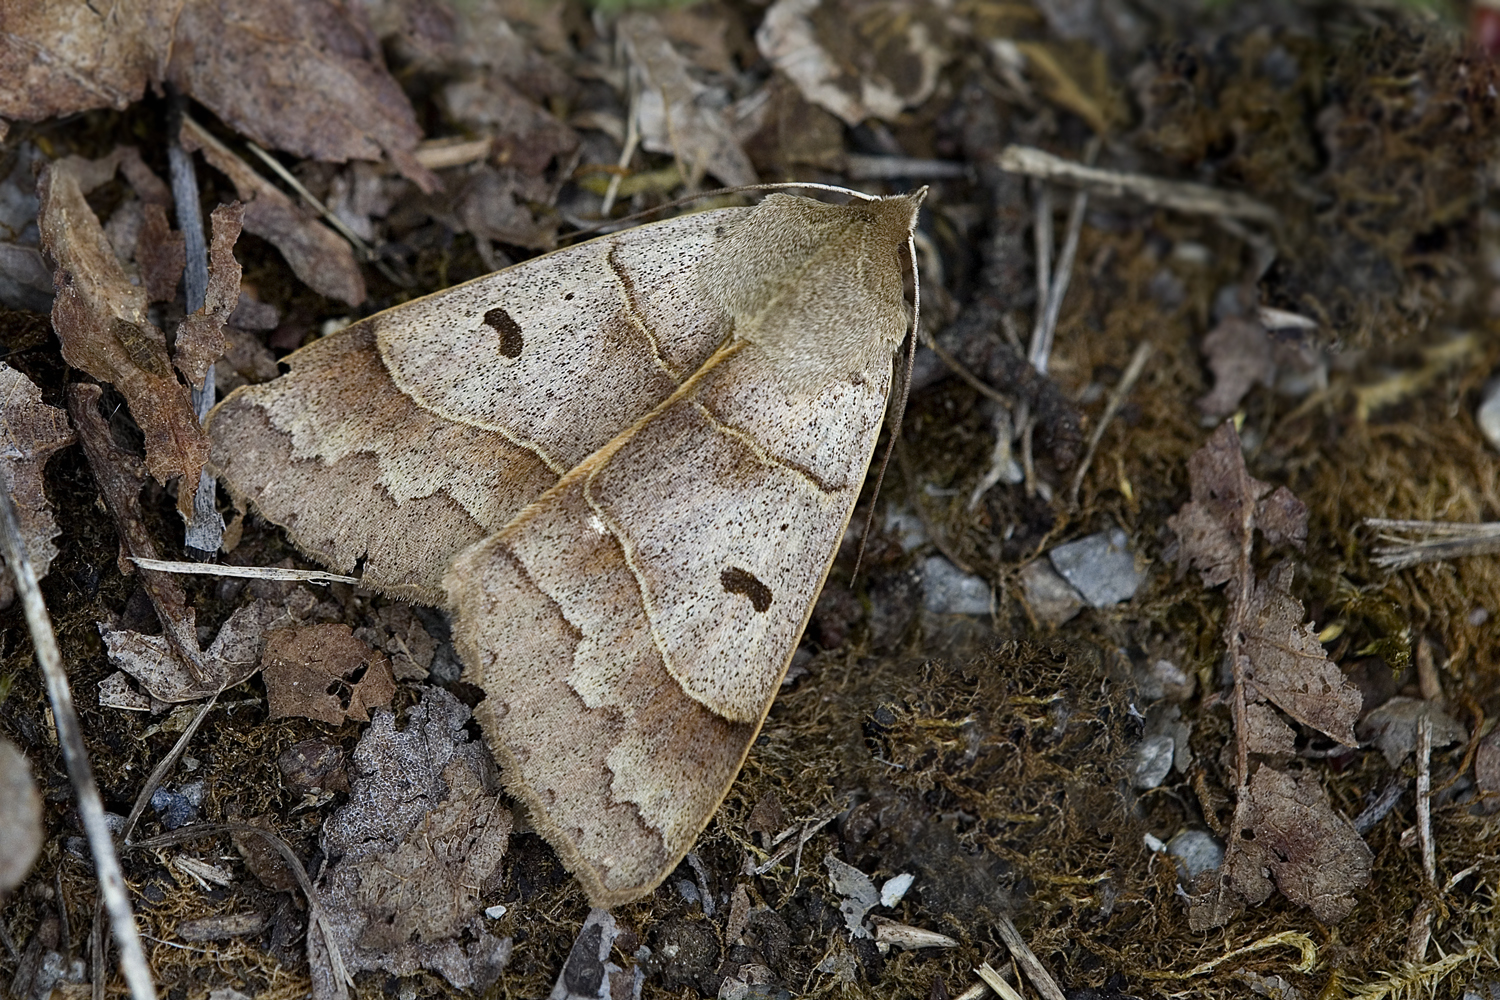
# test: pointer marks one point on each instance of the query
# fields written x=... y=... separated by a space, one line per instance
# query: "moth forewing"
x=657 y=593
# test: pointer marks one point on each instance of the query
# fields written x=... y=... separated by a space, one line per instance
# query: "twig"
x=1027 y=960
x=627 y=149
x=242 y=572
x=993 y=980
x=70 y=739
x=1380 y=808
x=1133 y=372
x=1441 y=540
x=1042 y=237
x=119 y=475
x=206 y=529
x=1046 y=326
x=1424 y=797
x=1198 y=199
x=1420 y=932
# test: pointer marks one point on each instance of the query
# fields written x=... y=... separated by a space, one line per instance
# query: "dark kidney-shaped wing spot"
x=742 y=581
x=509 y=330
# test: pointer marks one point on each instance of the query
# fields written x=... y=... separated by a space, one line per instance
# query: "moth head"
x=816 y=288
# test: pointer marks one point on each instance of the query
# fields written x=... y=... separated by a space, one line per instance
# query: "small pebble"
x=1051 y=598
x=1153 y=761
x=1479 y=616
x=1196 y=851
x=948 y=590
x=1101 y=567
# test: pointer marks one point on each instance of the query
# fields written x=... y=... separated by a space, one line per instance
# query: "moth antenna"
x=898 y=402
x=689 y=199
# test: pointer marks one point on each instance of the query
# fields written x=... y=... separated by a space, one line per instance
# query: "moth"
x=624 y=468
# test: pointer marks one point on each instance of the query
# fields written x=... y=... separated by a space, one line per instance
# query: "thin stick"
x=160 y=772
x=1441 y=540
x=1027 y=960
x=1042 y=235
x=993 y=980
x=1198 y=199
x=1046 y=328
x=205 y=530
x=242 y=572
x=974 y=381
x=1420 y=932
x=70 y=739
x=1117 y=399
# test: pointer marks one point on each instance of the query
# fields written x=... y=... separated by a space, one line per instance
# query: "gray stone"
x=1101 y=567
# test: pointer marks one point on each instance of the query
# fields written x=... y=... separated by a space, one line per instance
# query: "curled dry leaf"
x=249 y=63
x=323 y=672
x=232 y=657
x=20 y=817
x=201 y=338
x=419 y=846
x=317 y=255
x=101 y=322
x=30 y=431
x=857 y=58
x=1313 y=853
x=677 y=114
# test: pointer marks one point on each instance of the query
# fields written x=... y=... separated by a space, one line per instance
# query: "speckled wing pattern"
x=627 y=501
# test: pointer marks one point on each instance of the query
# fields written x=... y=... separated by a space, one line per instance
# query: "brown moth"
x=624 y=468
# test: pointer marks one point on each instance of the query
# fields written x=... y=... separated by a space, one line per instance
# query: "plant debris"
x=324 y=672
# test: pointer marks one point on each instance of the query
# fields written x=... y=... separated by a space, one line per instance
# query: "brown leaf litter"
x=30 y=432
x=1281 y=825
x=307 y=77
x=324 y=672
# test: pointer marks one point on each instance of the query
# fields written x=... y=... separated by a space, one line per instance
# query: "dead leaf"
x=419 y=847
x=20 y=817
x=317 y=255
x=766 y=819
x=858 y=892
x=248 y=63
x=588 y=973
x=1392 y=727
x=200 y=338
x=1288 y=665
x=1299 y=839
x=401 y=635
x=323 y=672
x=101 y=322
x=1226 y=502
x=262 y=858
x=30 y=431
x=1275 y=656
x=494 y=203
x=231 y=659
x=160 y=253
x=675 y=113
x=527 y=136
x=1239 y=354
x=857 y=58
